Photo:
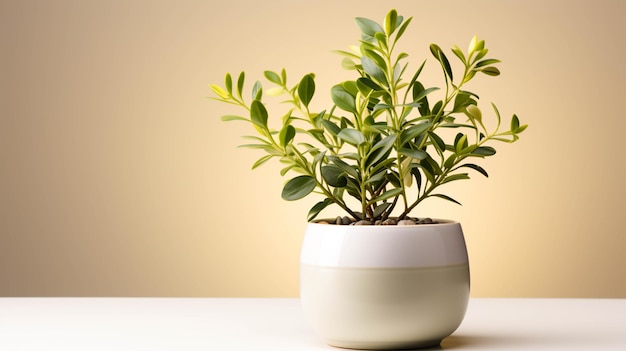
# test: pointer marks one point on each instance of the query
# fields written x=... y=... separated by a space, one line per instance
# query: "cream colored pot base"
x=385 y=308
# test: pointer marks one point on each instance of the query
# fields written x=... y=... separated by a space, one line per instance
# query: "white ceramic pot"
x=384 y=287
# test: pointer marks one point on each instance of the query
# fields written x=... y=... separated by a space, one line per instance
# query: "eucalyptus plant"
x=383 y=134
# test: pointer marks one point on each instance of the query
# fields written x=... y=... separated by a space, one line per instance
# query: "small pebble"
x=406 y=222
x=338 y=220
x=389 y=221
x=346 y=220
x=362 y=222
x=322 y=222
x=426 y=221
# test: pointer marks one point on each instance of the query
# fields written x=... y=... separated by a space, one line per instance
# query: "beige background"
x=118 y=178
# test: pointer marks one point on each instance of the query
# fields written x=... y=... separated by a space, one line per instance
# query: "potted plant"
x=376 y=277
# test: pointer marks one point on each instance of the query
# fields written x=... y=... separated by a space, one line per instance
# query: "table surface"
x=261 y=324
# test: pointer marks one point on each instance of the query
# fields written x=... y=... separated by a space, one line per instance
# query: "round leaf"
x=286 y=135
x=258 y=113
x=334 y=176
x=298 y=188
x=391 y=21
x=272 y=77
x=352 y=136
x=343 y=99
x=368 y=26
x=306 y=89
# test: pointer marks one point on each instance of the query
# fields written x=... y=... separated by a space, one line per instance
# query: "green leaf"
x=460 y=144
x=240 y=81
x=228 y=83
x=261 y=161
x=286 y=135
x=318 y=155
x=474 y=113
x=343 y=99
x=318 y=134
x=386 y=195
x=306 y=89
x=366 y=86
x=267 y=147
x=287 y=169
x=441 y=57
x=272 y=77
x=413 y=132
x=317 y=208
x=234 y=118
x=382 y=40
x=220 y=91
x=350 y=170
x=352 y=136
x=416 y=154
x=487 y=62
x=462 y=100
x=420 y=93
x=348 y=64
x=446 y=197
x=391 y=21
x=380 y=209
x=403 y=27
x=457 y=51
x=347 y=54
x=477 y=168
x=438 y=106
x=376 y=177
x=469 y=76
x=331 y=127
x=457 y=125
x=439 y=144
x=317 y=120
x=451 y=178
x=350 y=86
x=257 y=91
x=469 y=149
x=334 y=176
x=368 y=26
x=384 y=163
x=382 y=107
x=375 y=70
x=258 y=114
x=490 y=71
x=298 y=187
x=475 y=45
x=416 y=75
x=482 y=52
x=380 y=150
x=449 y=163
x=431 y=165
x=514 y=123
x=484 y=151
x=418 y=177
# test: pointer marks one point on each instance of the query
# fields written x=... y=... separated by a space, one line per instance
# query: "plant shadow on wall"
x=382 y=282
x=383 y=134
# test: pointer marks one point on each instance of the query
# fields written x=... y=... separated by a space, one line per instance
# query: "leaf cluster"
x=384 y=133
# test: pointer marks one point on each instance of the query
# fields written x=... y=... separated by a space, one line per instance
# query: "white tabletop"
x=278 y=324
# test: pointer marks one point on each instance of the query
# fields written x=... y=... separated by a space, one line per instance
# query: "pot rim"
x=420 y=245
x=440 y=221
